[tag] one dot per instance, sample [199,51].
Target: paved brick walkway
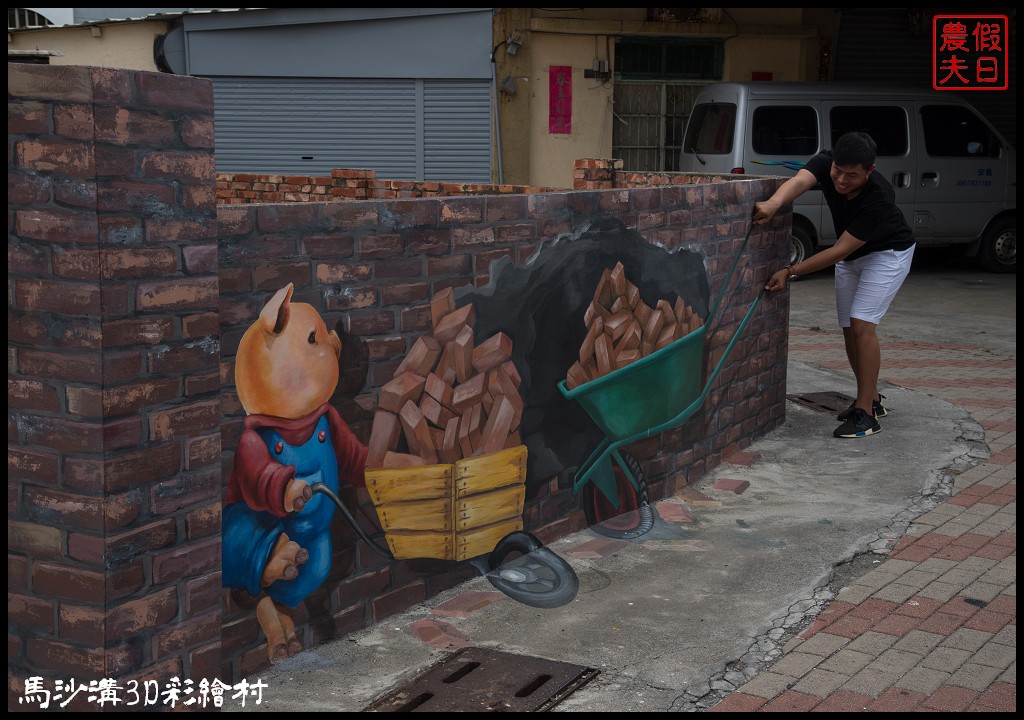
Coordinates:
[934,626]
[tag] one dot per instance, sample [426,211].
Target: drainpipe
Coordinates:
[497,117]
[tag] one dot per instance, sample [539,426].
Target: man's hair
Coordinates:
[855,148]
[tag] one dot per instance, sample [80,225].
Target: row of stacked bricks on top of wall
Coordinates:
[346,184]
[622,328]
[363,184]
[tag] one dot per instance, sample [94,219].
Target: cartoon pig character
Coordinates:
[277,542]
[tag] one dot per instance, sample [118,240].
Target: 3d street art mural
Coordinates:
[486,402]
[240,430]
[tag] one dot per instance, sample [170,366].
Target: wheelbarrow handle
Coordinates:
[713,312]
[695,405]
[731,345]
[324,490]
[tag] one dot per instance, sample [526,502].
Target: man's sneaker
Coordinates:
[876,406]
[858,424]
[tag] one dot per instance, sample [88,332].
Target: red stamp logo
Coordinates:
[970,52]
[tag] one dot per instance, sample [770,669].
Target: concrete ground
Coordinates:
[805,573]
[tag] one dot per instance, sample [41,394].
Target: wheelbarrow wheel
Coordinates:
[633,516]
[536,576]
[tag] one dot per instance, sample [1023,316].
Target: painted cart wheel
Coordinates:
[633,516]
[536,577]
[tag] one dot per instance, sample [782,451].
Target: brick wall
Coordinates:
[113,387]
[371,267]
[130,283]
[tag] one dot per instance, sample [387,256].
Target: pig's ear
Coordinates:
[274,315]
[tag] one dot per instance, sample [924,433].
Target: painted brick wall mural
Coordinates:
[479,346]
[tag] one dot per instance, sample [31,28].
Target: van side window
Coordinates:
[711,129]
[886,124]
[954,131]
[785,130]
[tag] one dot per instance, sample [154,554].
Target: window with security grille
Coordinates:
[656,83]
[25,18]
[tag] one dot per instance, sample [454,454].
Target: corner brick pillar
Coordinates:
[114,472]
[594,174]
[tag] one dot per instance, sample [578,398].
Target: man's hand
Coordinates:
[777,281]
[789,191]
[764,211]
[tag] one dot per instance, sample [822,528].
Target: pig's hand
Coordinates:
[296,495]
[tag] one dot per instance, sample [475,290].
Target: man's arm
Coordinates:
[828,257]
[789,191]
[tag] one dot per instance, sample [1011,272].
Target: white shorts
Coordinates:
[865,287]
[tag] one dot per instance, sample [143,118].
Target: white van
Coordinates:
[954,175]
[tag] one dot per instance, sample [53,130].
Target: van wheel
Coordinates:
[998,251]
[801,246]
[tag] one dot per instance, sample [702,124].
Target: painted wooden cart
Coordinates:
[470,510]
[450,511]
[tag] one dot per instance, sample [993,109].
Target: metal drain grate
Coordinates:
[481,680]
[829,402]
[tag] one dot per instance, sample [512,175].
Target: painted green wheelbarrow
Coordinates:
[649,396]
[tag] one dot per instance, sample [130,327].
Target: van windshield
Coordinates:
[711,129]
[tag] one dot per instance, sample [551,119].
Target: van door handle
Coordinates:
[901,179]
[929,178]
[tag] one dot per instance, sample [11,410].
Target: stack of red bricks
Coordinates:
[594,174]
[599,174]
[450,398]
[250,188]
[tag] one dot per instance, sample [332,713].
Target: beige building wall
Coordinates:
[781,57]
[552,155]
[126,45]
[785,42]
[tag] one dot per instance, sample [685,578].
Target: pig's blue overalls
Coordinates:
[249,535]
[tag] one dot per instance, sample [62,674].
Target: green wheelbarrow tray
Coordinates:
[656,393]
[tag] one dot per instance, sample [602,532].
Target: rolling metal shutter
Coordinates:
[457,131]
[402,129]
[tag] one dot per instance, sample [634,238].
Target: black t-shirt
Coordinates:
[872,216]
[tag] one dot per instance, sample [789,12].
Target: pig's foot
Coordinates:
[270,621]
[284,561]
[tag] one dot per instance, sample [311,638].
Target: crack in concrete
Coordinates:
[767,648]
